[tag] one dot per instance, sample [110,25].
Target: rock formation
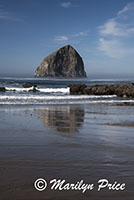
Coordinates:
[121,90]
[28,85]
[65,62]
[2,89]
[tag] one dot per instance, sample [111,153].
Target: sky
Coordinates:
[102,31]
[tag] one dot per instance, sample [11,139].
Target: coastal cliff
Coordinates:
[65,62]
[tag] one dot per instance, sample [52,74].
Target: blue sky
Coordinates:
[102,31]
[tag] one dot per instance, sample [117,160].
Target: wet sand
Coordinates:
[66,142]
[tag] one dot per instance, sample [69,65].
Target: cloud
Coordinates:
[111,48]
[116,33]
[111,27]
[71,38]
[4,15]
[114,28]
[127,8]
[66,4]
[82,33]
[61,38]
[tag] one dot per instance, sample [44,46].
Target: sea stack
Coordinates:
[65,62]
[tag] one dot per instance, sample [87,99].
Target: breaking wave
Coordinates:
[53,92]
[32,97]
[67,102]
[44,90]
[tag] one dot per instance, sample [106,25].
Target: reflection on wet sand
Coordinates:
[62,118]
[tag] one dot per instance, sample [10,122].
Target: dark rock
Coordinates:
[35,90]
[98,90]
[2,89]
[77,88]
[28,85]
[121,90]
[65,62]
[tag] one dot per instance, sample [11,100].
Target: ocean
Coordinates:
[54,91]
[50,134]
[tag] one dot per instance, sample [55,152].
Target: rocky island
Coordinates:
[65,62]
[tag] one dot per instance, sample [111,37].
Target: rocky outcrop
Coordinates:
[28,85]
[77,88]
[65,62]
[121,90]
[2,89]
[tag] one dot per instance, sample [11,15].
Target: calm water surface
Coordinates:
[71,142]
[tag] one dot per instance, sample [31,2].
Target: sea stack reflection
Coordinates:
[62,118]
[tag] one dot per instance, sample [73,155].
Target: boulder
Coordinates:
[28,85]
[2,89]
[65,62]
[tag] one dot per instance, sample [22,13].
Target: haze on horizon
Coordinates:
[101,31]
